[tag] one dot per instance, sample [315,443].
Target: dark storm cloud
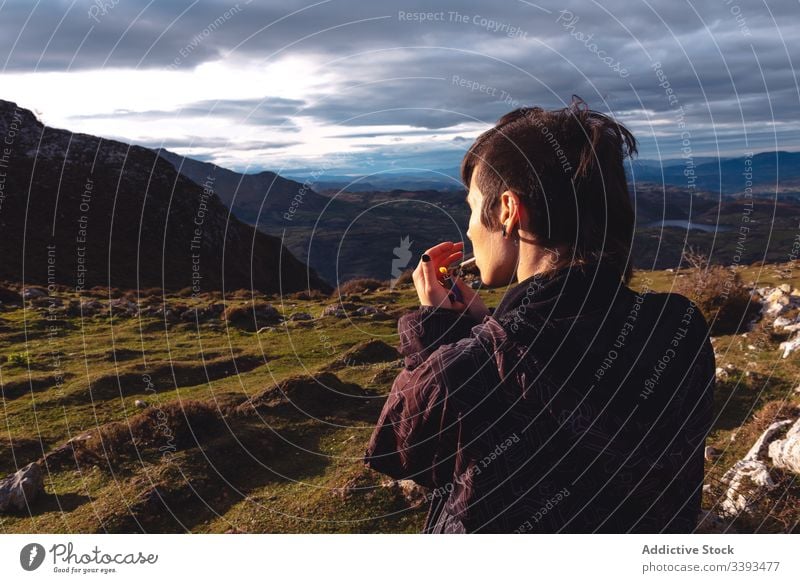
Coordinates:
[271,111]
[726,61]
[201,142]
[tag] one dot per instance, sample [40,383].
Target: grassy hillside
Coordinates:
[219,448]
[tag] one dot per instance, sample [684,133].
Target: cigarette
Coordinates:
[467,262]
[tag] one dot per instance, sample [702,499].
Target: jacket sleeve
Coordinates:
[429,327]
[416,434]
[417,431]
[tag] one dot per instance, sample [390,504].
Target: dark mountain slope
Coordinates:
[79,210]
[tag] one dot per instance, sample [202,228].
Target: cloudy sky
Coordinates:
[297,85]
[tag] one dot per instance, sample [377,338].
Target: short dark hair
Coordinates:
[566,165]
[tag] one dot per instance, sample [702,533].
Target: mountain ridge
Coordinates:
[84,211]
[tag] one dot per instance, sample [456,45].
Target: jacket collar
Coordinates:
[570,291]
[544,307]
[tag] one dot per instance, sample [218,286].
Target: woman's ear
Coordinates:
[509,210]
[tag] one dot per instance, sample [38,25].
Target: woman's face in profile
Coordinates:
[495,257]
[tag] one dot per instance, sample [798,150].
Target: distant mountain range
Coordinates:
[762,172]
[768,171]
[341,234]
[82,211]
[358,231]
[443,180]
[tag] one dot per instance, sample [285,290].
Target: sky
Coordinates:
[358,87]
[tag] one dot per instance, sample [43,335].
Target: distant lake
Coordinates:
[683,224]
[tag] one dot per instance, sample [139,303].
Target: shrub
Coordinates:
[360,285]
[719,292]
[313,294]
[151,292]
[20,359]
[406,277]
[251,317]
[242,294]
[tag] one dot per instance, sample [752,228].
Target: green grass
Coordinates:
[285,475]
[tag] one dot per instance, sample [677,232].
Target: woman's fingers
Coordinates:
[439,255]
[427,277]
[455,256]
[439,252]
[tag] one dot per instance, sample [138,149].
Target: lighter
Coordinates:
[447,282]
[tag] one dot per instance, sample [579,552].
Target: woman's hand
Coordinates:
[473,304]
[430,290]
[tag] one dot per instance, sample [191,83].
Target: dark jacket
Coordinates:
[577,406]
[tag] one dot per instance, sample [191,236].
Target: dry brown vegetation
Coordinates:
[720,292]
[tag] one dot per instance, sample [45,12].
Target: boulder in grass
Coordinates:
[20,489]
[414,494]
[334,310]
[301,316]
[339,310]
[30,293]
[123,307]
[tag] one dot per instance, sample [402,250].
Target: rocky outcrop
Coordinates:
[785,453]
[782,304]
[749,478]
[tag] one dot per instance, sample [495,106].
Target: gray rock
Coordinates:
[785,453]
[749,478]
[90,307]
[301,316]
[30,293]
[790,345]
[412,492]
[334,310]
[19,490]
[123,307]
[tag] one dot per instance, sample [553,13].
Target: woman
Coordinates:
[576,405]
